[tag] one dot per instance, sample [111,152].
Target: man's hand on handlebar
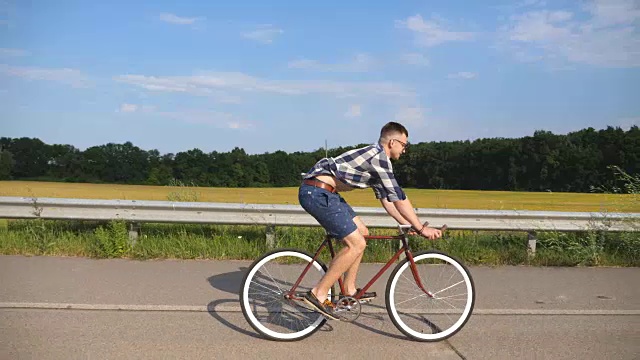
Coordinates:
[427,232]
[430,233]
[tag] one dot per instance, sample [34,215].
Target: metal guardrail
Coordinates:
[292,215]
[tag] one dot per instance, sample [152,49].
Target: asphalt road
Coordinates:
[76,308]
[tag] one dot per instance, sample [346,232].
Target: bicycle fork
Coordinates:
[414,268]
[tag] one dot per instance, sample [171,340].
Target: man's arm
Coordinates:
[389,190]
[393,212]
[406,211]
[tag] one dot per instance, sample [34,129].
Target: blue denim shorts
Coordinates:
[329,209]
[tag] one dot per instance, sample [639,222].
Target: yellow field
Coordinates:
[444,199]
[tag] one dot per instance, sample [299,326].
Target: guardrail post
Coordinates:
[271,236]
[134,232]
[531,247]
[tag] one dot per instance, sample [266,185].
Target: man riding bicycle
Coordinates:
[369,166]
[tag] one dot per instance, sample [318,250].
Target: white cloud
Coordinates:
[431,32]
[178,20]
[232,84]
[613,12]
[518,6]
[210,118]
[540,26]
[359,63]
[130,108]
[604,34]
[412,116]
[239,125]
[466,75]
[200,85]
[415,59]
[354,111]
[263,34]
[526,3]
[6,52]
[198,117]
[66,76]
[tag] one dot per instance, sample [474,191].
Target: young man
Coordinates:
[369,166]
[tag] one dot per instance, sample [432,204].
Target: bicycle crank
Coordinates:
[347,309]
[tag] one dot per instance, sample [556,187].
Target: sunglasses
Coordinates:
[404,145]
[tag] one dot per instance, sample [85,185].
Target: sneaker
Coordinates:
[325,308]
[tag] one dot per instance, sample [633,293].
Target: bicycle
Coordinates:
[273,305]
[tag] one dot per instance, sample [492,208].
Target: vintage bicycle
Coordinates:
[429,296]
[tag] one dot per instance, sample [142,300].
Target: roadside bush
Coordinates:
[112,240]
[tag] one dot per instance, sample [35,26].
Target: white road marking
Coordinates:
[236,308]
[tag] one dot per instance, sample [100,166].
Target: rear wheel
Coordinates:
[262,295]
[436,317]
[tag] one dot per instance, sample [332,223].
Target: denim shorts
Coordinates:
[329,209]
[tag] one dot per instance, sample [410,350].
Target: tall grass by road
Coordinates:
[186,241]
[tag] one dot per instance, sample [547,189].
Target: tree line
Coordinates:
[574,162]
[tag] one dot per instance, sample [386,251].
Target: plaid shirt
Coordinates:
[365,167]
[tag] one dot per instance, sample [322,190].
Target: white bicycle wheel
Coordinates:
[436,317]
[262,295]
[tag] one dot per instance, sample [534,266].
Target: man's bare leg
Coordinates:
[353,250]
[350,276]
[352,272]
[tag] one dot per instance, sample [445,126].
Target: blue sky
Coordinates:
[286,75]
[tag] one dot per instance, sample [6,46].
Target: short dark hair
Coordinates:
[393,127]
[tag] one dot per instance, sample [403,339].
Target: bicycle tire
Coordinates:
[315,320]
[402,273]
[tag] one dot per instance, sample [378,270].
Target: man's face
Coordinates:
[398,145]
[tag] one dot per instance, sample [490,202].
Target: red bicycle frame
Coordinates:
[328,243]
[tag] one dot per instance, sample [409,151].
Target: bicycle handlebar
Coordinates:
[406,228]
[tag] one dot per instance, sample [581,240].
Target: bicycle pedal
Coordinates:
[364,301]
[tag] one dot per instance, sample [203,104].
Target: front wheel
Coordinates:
[263,301]
[440,313]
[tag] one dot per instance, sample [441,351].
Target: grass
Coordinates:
[196,241]
[421,198]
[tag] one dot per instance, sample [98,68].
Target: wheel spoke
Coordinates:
[265,287]
[415,297]
[451,297]
[271,277]
[449,287]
